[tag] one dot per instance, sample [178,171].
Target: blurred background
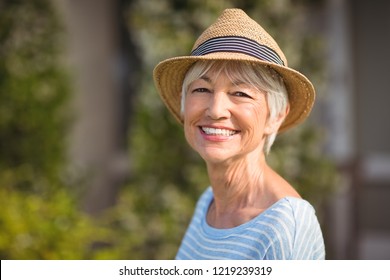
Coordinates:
[92,166]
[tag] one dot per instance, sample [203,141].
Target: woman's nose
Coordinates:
[218,107]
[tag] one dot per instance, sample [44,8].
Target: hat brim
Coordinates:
[169,75]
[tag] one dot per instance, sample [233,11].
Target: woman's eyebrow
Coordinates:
[235,82]
[238,82]
[205,78]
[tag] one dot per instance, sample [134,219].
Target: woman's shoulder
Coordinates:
[300,204]
[308,240]
[295,202]
[291,211]
[294,227]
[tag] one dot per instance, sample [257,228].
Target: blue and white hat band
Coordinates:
[240,45]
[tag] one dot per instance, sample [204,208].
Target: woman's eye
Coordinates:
[200,90]
[241,94]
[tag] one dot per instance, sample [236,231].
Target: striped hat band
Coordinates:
[238,45]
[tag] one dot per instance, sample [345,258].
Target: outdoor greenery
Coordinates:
[34,89]
[33,92]
[41,217]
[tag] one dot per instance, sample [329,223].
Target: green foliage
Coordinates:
[146,224]
[50,226]
[38,218]
[42,227]
[33,91]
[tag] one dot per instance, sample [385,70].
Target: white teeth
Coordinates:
[218,131]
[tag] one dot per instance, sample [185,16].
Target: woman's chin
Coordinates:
[215,156]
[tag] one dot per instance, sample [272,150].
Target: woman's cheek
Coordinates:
[252,121]
[190,127]
[254,115]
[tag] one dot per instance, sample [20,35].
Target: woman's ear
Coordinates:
[273,125]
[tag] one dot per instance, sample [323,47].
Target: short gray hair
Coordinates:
[261,77]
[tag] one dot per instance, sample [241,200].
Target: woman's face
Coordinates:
[223,119]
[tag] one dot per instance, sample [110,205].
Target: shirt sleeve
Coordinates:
[308,242]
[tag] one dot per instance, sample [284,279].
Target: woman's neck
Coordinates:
[242,190]
[238,183]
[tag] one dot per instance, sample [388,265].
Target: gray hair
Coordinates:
[263,78]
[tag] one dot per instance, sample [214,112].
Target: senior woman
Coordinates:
[233,95]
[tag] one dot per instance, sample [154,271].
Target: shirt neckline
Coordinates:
[226,232]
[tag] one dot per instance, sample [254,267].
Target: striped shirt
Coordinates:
[289,229]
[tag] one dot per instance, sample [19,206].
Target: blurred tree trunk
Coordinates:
[105,65]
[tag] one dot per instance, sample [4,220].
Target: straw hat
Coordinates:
[235,36]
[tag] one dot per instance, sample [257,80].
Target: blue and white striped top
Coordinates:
[289,229]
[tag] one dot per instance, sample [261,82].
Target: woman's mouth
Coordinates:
[218,131]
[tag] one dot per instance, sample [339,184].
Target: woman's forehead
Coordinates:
[212,77]
[236,75]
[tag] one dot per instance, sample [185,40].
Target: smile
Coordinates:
[218,131]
